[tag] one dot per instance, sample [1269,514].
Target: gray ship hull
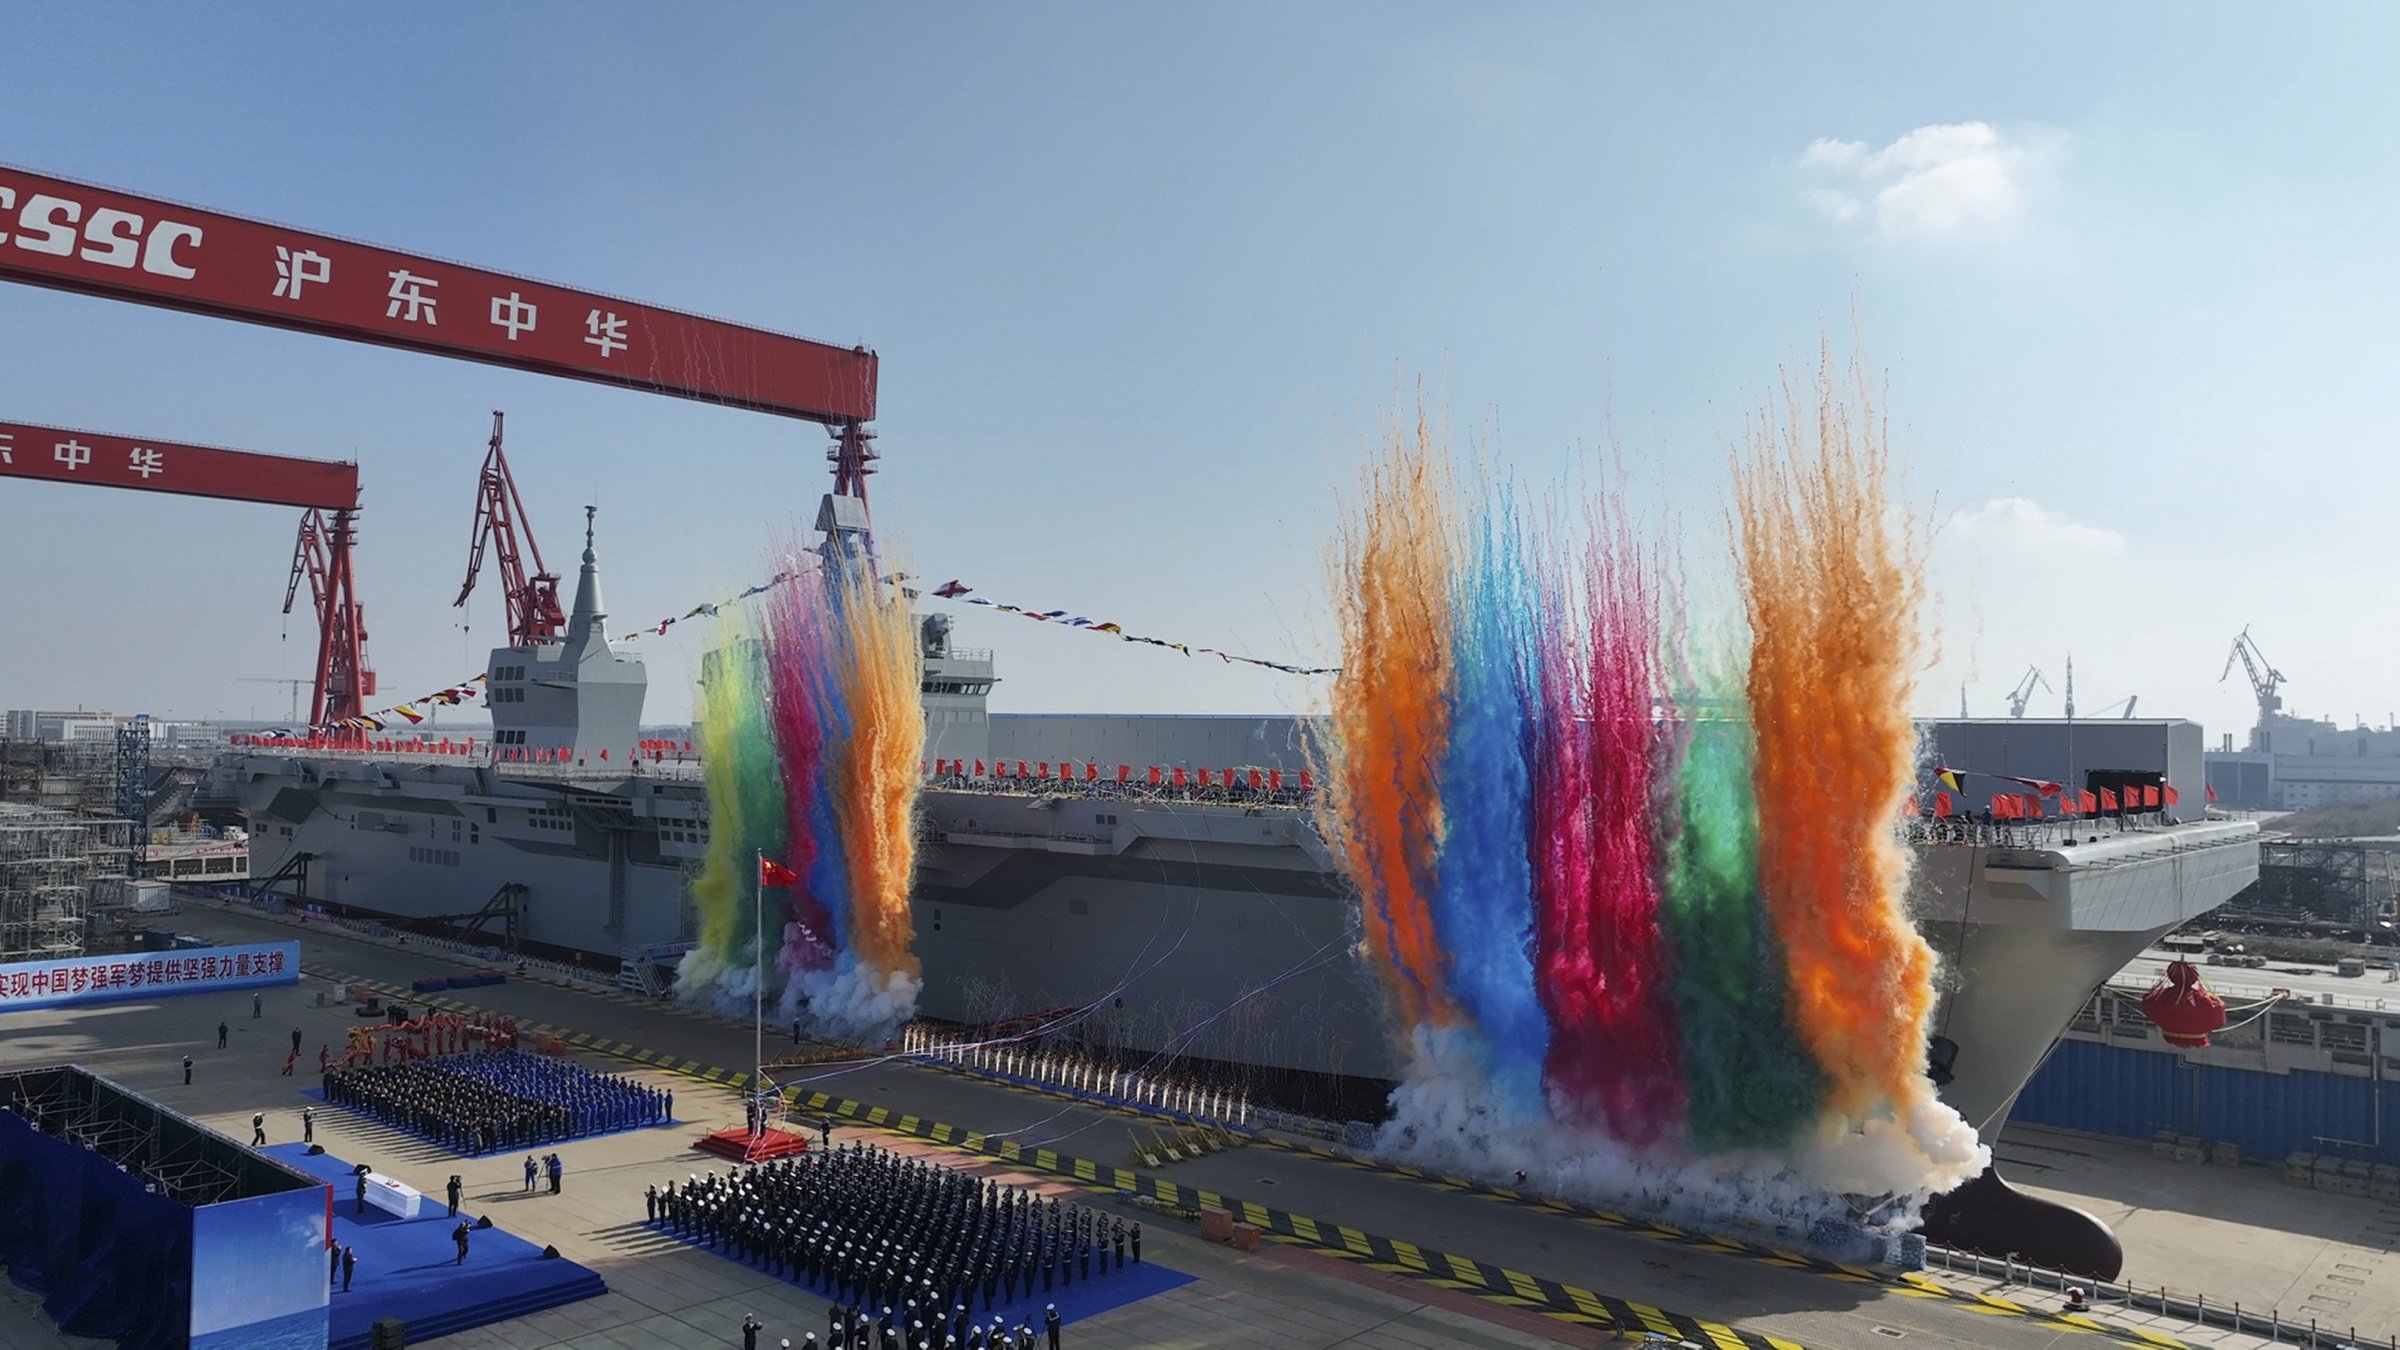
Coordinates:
[1218,930]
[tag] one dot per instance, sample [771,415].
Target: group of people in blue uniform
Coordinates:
[912,1256]
[485,1103]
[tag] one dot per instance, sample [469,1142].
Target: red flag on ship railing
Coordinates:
[2150,796]
[2091,804]
[1155,775]
[1275,780]
[2108,800]
[2172,795]
[2212,791]
[1941,804]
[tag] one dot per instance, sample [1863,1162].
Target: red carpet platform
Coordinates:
[742,1146]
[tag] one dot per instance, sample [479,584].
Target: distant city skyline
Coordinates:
[1145,285]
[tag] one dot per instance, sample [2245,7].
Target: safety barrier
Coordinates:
[2133,1297]
[1084,1077]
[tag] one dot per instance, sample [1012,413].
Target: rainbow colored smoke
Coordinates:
[811,735]
[1658,908]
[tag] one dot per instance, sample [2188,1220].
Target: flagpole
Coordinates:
[758,991]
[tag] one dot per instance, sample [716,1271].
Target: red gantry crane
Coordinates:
[80,237]
[533,612]
[327,490]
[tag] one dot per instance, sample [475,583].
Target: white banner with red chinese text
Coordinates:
[99,979]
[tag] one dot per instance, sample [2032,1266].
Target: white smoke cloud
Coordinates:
[851,1002]
[846,1003]
[1447,1118]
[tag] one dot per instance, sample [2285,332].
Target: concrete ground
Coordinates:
[2237,1234]
[663,1293]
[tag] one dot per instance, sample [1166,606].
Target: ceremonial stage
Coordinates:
[743,1146]
[407,1268]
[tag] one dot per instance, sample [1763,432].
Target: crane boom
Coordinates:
[2265,682]
[532,598]
[321,555]
[2023,693]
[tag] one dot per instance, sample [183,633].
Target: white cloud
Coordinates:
[2023,527]
[1937,182]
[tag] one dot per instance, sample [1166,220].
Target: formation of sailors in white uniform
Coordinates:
[912,1256]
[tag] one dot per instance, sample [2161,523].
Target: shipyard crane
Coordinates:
[294,685]
[327,490]
[321,554]
[532,597]
[2265,681]
[2023,693]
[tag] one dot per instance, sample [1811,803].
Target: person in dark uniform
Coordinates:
[459,1236]
[349,1266]
[295,1041]
[1137,1243]
[558,1173]
[187,1070]
[825,1132]
[532,1170]
[1050,1323]
[256,1011]
[333,1262]
[452,1191]
[222,1030]
[750,1329]
[308,1124]
[258,1129]
[650,1198]
[362,1192]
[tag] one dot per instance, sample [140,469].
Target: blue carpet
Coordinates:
[1084,1298]
[317,1094]
[407,1267]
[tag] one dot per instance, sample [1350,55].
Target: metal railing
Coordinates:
[2192,1308]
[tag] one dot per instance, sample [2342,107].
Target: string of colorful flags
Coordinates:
[413,712]
[409,714]
[959,591]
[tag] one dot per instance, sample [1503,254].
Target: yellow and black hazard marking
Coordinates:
[1548,1297]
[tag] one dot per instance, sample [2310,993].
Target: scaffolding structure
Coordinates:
[52,866]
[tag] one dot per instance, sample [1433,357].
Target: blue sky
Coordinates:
[1145,282]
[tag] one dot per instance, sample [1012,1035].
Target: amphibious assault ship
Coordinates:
[1166,871]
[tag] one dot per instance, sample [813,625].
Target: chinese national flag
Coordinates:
[2033,805]
[773,873]
[1941,803]
[2003,806]
[2108,799]
[2091,804]
[2172,796]
[2212,791]
[2150,795]
[2066,804]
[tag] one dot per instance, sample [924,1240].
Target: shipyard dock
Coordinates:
[1467,1266]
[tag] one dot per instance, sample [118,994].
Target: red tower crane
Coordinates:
[322,555]
[533,612]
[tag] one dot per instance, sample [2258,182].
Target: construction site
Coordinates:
[59,872]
